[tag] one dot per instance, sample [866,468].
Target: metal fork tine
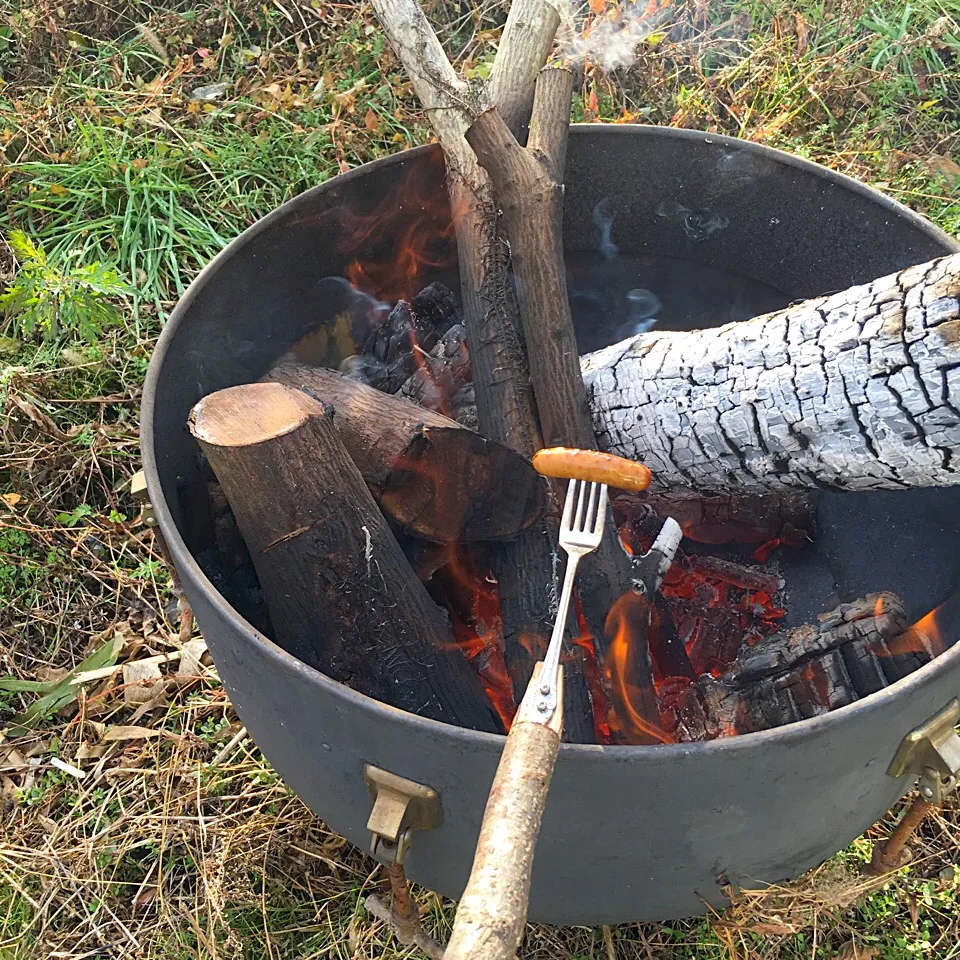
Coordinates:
[568,506]
[600,515]
[578,525]
[591,521]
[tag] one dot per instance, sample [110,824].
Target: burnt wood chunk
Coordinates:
[851,652]
[394,349]
[432,476]
[441,374]
[341,594]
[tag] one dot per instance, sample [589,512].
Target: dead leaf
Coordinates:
[914,908]
[191,658]
[87,751]
[129,733]
[371,121]
[11,499]
[12,760]
[850,951]
[140,679]
[597,6]
[944,165]
[772,929]
[145,896]
[803,34]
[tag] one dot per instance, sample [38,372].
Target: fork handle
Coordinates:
[493,908]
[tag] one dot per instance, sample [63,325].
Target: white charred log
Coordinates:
[859,390]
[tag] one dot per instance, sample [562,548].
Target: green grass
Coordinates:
[109,158]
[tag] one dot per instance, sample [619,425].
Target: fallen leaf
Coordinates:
[592,103]
[772,929]
[947,166]
[850,951]
[210,92]
[11,499]
[597,6]
[914,908]
[129,733]
[140,680]
[802,33]
[371,121]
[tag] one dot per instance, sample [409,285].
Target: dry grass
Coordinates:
[172,845]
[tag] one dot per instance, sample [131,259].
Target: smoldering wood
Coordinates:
[341,595]
[856,391]
[432,476]
[735,574]
[528,185]
[394,350]
[812,669]
[505,407]
[441,374]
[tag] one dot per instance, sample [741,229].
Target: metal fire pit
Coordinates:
[630,833]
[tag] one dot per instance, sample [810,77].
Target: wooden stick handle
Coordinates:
[493,908]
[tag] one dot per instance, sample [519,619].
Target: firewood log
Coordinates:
[505,407]
[432,476]
[341,594]
[528,183]
[856,391]
[848,654]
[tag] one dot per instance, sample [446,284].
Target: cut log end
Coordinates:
[250,414]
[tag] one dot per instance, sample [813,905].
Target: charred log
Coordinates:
[341,595]
[429,474]
[856,391]
[813,669]
[441,374]
[395,349]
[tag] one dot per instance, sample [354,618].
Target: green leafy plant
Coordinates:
[59,692]
[54,297]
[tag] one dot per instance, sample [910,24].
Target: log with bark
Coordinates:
[341,594]
[432,476]
[505,408]
[856,391]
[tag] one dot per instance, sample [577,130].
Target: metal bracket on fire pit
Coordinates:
[932,753]
[139,492]
[400,806]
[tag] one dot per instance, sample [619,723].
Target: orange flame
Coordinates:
[394,249]
[925,636]
[625,627]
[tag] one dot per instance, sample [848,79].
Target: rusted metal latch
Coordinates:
[932,753]
[400,807]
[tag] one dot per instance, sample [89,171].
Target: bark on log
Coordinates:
[429,474]
[505,408]
[531,198]
[340,592]
[848,654]
[856,391]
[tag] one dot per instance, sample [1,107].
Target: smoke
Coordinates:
[610,38]
[603,218]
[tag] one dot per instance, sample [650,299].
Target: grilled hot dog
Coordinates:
[570,463]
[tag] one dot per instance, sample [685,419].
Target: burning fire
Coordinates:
[408,237]
[626,627]
[924,636]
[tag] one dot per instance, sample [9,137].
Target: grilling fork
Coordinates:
[499,883]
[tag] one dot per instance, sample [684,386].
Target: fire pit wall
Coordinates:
[630,833]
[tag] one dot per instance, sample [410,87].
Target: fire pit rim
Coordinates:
[189,569]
